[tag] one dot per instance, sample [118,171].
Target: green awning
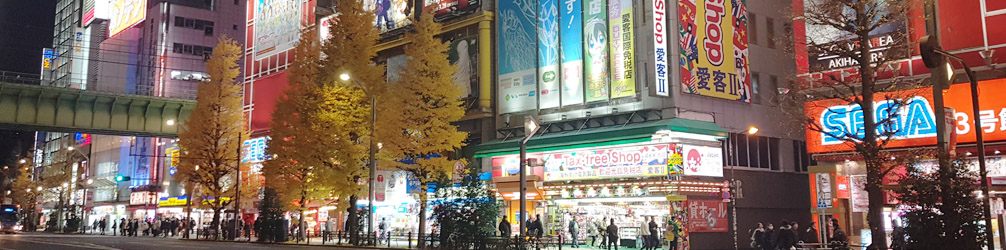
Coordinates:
[613,135]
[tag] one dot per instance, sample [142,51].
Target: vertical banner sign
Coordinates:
[595,36]
[623,81]
[860,199]
[548,54]
[570,20]
[661,85]
[516,85]
[823,190]
[463,54]
[714,48]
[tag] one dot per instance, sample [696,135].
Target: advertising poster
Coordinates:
[714,49]
[915,124]
[389,14]
[823,181]
[395,64]
[463,53]
[702,161]
[571,33]
[623,81]
[860,199]
[126,13]
[706,216]
[516,34]
[548,54]
[444,7]
[631,161]
[325,23]
[277,26]
[595,47]
[48,58]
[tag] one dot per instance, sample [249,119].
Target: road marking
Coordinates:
[82,245]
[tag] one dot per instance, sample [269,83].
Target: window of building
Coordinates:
[773,85]
[235,27]
[190,23]
[187,49]
[756,87]
[179,21]
[177,48]
[752,28]
[208,31]
[801,158]
[199,24]
[236,2]
[752,151]
[770,27]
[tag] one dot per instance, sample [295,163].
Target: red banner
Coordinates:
[707,216]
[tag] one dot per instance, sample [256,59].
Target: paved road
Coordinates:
[103,242]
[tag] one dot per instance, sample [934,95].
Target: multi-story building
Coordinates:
[616,106]
[146,47]
[837,186]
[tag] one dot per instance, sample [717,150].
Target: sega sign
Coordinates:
[912,122]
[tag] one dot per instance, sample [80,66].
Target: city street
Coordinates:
[106,242]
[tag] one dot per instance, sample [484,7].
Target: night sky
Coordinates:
[25,28]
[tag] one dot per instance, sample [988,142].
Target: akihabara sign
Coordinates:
[629,161]
[913,120]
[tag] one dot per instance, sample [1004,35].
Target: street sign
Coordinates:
[531,127]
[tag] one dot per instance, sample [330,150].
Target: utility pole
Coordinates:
[938,68]
[237,189]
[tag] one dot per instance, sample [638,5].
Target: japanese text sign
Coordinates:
[707,216]
[714,49]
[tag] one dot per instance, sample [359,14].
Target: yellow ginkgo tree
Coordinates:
[420,137]
[211,138]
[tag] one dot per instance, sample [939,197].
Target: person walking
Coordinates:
[839,239]
[672,233]
[796,234]
[644,234]
[612,231]
[122,226]
[768,239]
[101,226]
[810,235]
[756,236]
[504,227]
[654,234]
[602,232]
[115,225]
[574,232]
[156,229]
[784,236]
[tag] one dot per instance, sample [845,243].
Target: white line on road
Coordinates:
[83,245]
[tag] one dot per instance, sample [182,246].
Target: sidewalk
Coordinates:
[317,241]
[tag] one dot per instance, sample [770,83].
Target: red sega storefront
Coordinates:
[837,181]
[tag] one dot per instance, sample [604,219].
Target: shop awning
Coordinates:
[614,135]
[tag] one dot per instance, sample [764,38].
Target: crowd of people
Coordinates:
[603,233]
[149,227]
[788,235]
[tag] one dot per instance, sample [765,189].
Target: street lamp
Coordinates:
[170,122]
[373,160]
[931,50]
[733,183]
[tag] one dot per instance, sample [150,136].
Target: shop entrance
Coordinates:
[594,215]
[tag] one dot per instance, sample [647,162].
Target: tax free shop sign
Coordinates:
[913,122]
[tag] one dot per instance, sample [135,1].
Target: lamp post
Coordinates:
[929,45]
[733,182]
[531,127]
[373,160]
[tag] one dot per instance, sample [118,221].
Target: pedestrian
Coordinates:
[898,237]
[134,228]
[574,231]
[115,225]
[538,229]
[175,226]
[756,236]
[672,232]
[784,236]
[838,239]
[602,232]
[122,226]
[810,235]
[504,227]
[529,227]
[101,226]
[654,232]
[592,232]
[94,226]
[644,234]
[768,239]
[796,234]
[612,231]
[156,229]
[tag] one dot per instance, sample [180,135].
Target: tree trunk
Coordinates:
[300,225]
[869,148]
[216,218]
[422,217]
[351,220]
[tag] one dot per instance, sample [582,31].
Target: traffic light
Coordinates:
[121,178]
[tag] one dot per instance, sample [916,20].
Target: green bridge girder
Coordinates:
[52,109]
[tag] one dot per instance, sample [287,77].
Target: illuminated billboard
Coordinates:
[389,14]
[48,58]
[277,26]
[714,49]
[444,7]
[125,14]
[516,51]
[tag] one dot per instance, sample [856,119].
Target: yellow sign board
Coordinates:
[126,13]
